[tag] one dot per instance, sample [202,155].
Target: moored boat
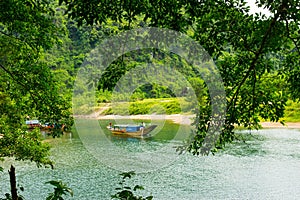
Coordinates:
[131,130]
[33,123]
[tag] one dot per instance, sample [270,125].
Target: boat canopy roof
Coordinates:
[126,125]
[128,128]
[34,121]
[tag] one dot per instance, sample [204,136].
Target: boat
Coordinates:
[131,130]
[52,126]
[31,124]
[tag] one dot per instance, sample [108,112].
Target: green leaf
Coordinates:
[138,187]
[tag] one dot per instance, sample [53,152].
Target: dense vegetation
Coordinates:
[43,44]
[256,55]
[150,106]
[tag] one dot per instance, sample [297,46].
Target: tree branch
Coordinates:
[12,76]
[289,36]
[19,39]
[19,82]
[254,61]
[13,183]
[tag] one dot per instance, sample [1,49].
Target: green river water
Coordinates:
[267,166]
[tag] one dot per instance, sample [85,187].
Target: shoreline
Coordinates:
[176,118]
[183,119]
[290,125]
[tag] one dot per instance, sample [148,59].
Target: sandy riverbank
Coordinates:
[176,118]
[294,125]
[185,119]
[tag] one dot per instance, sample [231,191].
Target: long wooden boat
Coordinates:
[131,130]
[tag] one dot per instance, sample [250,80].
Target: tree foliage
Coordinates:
[257,55]
[41,50]
[28,87]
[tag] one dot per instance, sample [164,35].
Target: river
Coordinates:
[266,166]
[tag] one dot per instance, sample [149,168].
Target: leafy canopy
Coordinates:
[258,56]
[27,85]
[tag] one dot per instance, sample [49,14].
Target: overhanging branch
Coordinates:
[254,61]
[19,82]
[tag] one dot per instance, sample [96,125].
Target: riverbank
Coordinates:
[176,118]
[184,119]
[293,125]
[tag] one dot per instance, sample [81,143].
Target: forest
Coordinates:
[45,43]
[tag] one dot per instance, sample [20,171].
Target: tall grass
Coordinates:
[292,112]
[151,106]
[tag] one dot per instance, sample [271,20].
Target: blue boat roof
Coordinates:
[126,125]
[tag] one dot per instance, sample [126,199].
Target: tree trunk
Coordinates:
[13,183]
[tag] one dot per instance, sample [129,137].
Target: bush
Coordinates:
[150,106]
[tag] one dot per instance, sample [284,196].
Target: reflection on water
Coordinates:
[266,166]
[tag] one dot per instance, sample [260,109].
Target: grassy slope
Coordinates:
[182,106]
[150,106]
[292,112]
